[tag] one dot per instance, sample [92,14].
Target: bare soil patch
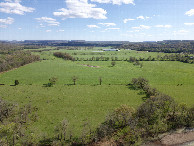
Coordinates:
[90,65]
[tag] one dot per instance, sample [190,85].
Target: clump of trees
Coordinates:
[16,59]
[143,84]
[65,56]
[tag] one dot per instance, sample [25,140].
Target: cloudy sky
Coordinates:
[97,20]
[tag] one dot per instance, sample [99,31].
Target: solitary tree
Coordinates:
[113,63]
[100,80]
[52,81]
[74,78]
[16,82]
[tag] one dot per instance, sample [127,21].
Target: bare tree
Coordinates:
[100,80]
[74,78]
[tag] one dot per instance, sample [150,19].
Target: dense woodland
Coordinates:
[12,56]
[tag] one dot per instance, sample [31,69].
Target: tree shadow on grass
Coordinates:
[145,98]
[131,87]
[68,84]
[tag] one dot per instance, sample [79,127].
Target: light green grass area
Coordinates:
[157,72]
[85,53]
[181,93]
[77,104]
[88,101]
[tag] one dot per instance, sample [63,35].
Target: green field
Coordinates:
[87,100]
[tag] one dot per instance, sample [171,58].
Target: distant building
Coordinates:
[111,50]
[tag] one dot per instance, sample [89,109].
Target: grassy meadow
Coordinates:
[87,101]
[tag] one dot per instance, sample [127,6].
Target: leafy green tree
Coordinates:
[113,63]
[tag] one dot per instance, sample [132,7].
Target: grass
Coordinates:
[88,101]
[157,72]
[77,104]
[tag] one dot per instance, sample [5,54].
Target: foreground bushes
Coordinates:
[14,121]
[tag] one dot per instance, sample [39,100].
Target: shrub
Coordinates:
[139,83]
[113,63]
[154,113]
[16,82]
[128,136]
[119,118]
[52,81]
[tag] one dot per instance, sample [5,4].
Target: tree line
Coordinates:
[65,56]
[171,57]
[166,47]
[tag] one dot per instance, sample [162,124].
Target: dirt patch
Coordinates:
[90,65]
[177,138]
[182,138]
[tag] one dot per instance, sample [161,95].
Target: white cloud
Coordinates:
[49,21]
[41,25]
[112,29]
[80,9]
[3,26]
[5,22]
[60,30]
[183,31]
[141,17]
[107,24]
[115,2]
[142,27]
[9,20]
[126,20]
[180,32]
[19,28]
[14,7]
[93,26]
[190,12]
[48,30]
[163,26]
[189,24]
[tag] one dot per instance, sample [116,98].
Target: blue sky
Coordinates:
[97,20]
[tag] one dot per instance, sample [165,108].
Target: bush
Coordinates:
[16,82]
[119,118]
[52,81]
[128,136]
[139,83]
[113,63]
[154,113]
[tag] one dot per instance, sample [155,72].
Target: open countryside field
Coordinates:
[87,101]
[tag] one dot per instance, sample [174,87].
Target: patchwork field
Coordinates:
[87,101]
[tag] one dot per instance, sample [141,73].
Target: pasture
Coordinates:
[87,101]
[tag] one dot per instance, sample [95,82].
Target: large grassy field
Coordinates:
[87,100]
